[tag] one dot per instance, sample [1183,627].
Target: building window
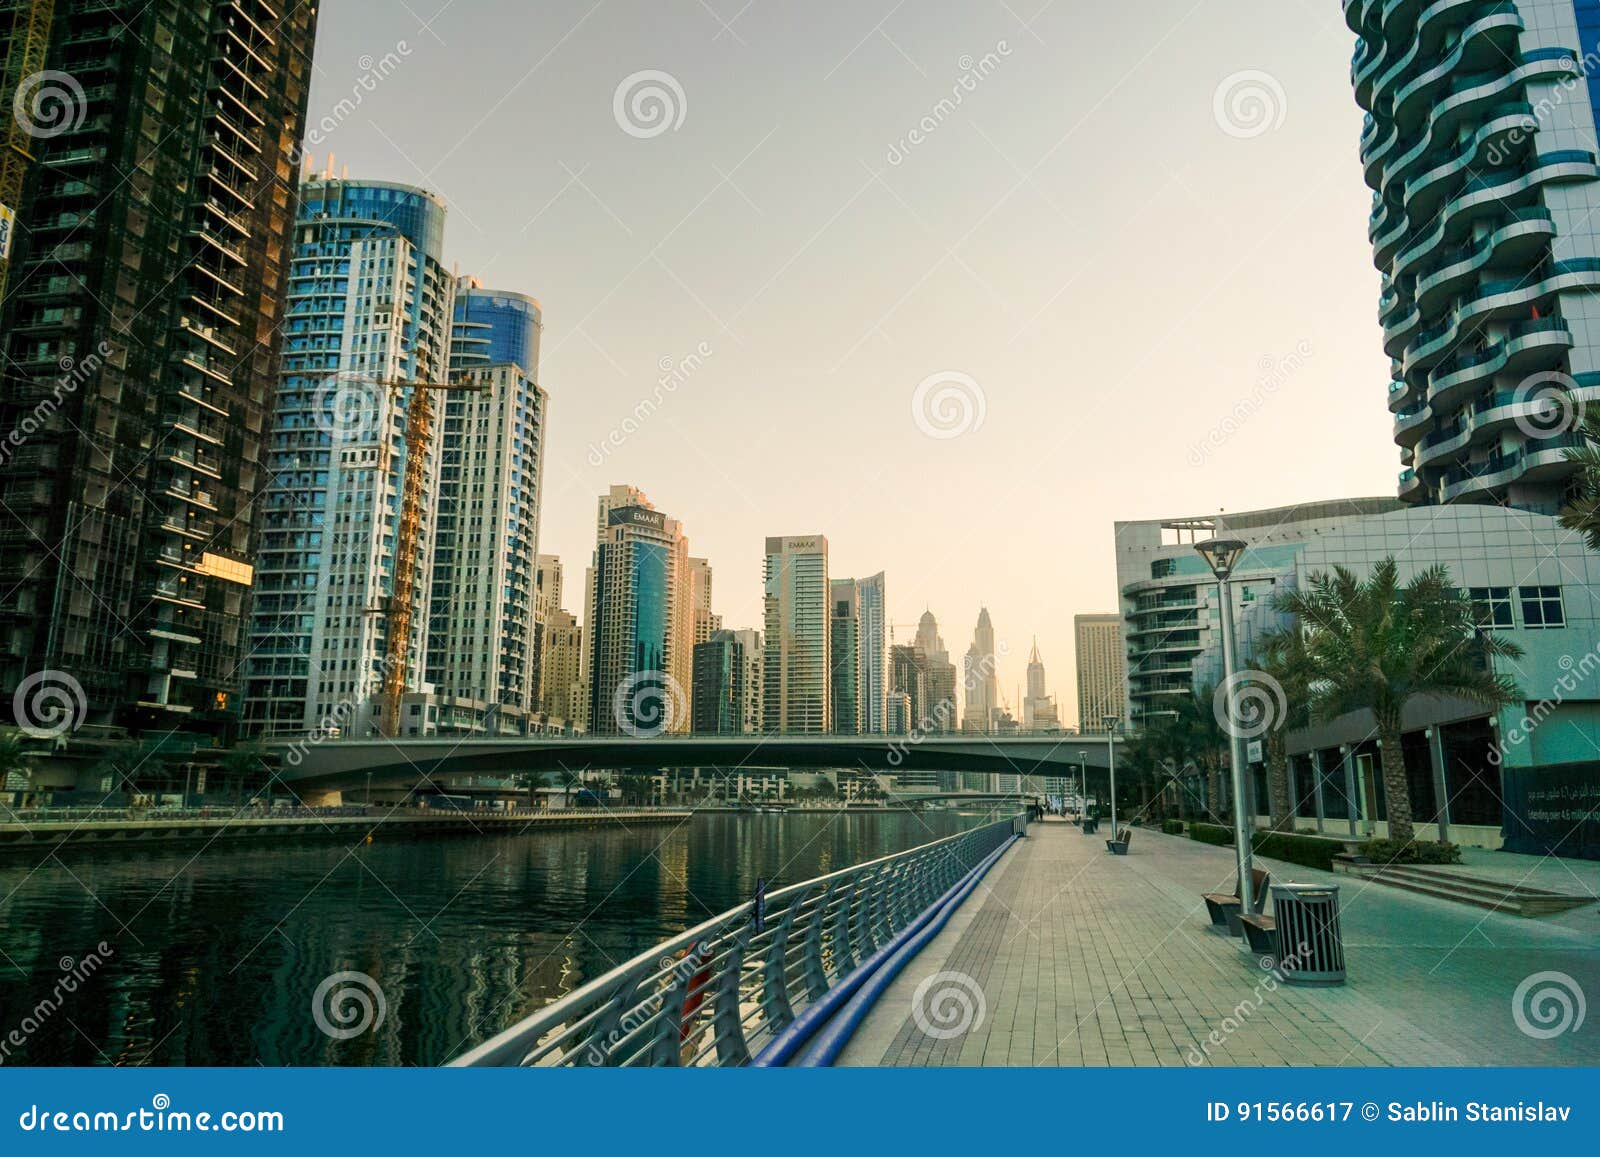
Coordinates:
[1492,605]
[1541,607]
[1162,567]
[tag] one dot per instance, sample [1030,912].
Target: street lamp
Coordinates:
[1222,556]
[1083,781]
[1110,723]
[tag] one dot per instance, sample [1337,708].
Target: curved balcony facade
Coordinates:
[1481,152]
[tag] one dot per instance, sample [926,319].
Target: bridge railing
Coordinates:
[716,994]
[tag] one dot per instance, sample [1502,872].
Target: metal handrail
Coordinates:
[716,994]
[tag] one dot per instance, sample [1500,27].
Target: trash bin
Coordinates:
[1310,947]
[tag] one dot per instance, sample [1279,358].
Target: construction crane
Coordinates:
[30,38]
[396,609]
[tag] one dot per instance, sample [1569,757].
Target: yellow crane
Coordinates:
[396,609]
[30,38]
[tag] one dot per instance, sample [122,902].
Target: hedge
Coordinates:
[1172,827]
[1410,852]
[1308,851]
[1211,834]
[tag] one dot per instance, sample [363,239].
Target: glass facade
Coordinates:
[493,327]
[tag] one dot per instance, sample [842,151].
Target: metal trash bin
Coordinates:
[1310,945]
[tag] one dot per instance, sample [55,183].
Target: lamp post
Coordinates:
[1110,723]
[1083,781]
[1222,556]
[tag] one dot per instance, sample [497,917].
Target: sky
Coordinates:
[956,283]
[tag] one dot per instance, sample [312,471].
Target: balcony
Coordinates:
[1409,425]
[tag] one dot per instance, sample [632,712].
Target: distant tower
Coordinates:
[1038,709]
[941,707]
[979,677]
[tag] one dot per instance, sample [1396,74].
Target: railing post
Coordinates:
[606,1030]
[816,976]
[775,974]
[844,956]
[727,1020]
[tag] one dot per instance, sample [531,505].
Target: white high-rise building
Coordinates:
[797,695]
[874,654]
[483,635]
[370,306]
[1480,147]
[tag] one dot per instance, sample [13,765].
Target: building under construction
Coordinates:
[150,164]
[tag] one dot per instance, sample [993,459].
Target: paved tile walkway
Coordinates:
[1069,956]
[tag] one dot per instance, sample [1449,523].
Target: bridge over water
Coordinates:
[330,765]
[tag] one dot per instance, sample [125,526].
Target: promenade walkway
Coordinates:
[1069,956]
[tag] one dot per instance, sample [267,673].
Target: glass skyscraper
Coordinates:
[639,619]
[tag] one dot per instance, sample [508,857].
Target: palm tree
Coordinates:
[1375,644]
[14,757]
[1189,735]
[1582,512]
[1281,657]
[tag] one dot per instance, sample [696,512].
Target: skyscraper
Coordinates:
[369,310]
[1038,709]
[1484,177]
[705,621]
[979,672]
[139,333]
[483,638]
[797,695]
[844,656]
[563,694]
[1100,664]
[874,650]
[908,688]
[941,710]
[639,645]
[727,684]
[547,583]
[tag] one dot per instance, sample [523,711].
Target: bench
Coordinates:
[1089,825]
[1224,908]
[1119,846]
[1262,934]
